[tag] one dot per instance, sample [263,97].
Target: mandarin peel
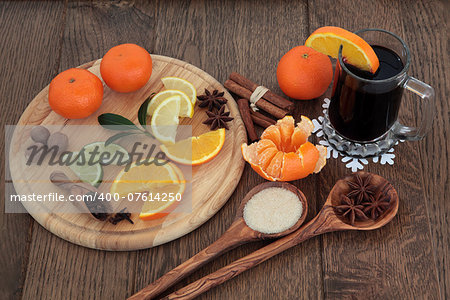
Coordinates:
[283,153]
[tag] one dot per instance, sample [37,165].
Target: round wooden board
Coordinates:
[212,183]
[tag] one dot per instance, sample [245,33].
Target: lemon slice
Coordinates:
[164,184]
[197,149]
[180,84]
[165,119]
[186,109]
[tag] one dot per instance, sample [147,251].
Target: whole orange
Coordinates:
[304,73]
[126,68]
[75,93]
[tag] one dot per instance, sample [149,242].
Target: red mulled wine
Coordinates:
[363,111]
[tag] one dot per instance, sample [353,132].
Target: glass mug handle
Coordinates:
[426,93]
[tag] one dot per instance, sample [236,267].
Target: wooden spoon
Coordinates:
[327,220]
[238,233]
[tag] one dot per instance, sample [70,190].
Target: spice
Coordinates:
[273,210]
[58,140]
[376,206]
[214,100]
[39,134]
[361,188]
[351,210]
[101,210]
[244,108]
[218,119]
[261,120]
[363,202]
[261,104]
[269,96]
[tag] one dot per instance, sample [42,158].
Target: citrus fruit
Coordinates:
[303,73]
[197,149]
[75,93]
[283,153]
[180,84]
[356,51]
[126,68]
[116,153]
[90,173]
[161,183]
[186,109]
[165,119]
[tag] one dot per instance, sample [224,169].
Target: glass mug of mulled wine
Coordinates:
[361,120]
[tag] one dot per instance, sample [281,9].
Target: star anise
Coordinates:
[350,210]
[212,100]
[361,188]
[376,206]
[218,119]
[122,215]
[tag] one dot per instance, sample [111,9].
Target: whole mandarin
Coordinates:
[75,93]
[126,68]
[304,73]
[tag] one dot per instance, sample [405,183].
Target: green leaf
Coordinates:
[116,122]
[117,136]
[142,113]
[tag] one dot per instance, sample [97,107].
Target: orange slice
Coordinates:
[197,149]
[163,186]
[356,51]
[284,153]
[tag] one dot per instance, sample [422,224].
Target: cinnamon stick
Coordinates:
[262,104]
[261,122]
[269,96]
[264,117]
[244,108]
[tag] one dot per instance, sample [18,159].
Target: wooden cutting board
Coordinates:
[212,183]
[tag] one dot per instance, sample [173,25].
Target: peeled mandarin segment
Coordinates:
[263,145]
[275,166]
[249,153]
[357,52]
[266,156]
[300,164]
[301,132]
[306,125]
[286,126]
[309,155]
[293,168]
[272,133]
[322,161]
[298,138]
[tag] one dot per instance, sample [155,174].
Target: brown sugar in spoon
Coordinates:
[327,220]
[238,234]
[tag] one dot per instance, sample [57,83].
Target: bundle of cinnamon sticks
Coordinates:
[272,104]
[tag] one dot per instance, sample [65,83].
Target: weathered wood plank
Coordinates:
[29,42]
[247,37]
[61,270]
[397,260]
[427,34]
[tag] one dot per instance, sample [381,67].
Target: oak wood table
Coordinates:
[407,259]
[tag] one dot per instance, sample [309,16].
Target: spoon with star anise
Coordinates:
[337,214]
